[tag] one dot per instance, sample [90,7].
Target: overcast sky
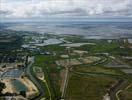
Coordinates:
[65,8]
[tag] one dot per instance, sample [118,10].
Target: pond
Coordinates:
[19,86]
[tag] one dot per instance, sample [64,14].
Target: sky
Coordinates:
[30,9]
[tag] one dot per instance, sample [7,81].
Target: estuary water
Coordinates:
[101,30]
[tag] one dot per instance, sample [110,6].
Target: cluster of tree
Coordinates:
[2,86]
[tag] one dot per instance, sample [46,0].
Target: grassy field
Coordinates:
[42,59]
[101,47]
[51,72]
[80,87]
[97,69]
[75,39]
[84,87]
[54,48]
[130,88]
[126,94]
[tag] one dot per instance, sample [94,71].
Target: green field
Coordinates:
[54,48]
[97,69]
[51,72]
[125,95]
[103,47]
[75,39]
[81,87]
[130,88]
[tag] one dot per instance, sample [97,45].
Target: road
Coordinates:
[33,79]
[65,83]
[112,91]
[48,88]
[64,88]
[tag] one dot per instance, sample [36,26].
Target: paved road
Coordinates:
[117,88]
[41,90]
[65,84]
[64,88]
[112,91]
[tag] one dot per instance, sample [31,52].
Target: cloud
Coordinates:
[4,12]
[62,8]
